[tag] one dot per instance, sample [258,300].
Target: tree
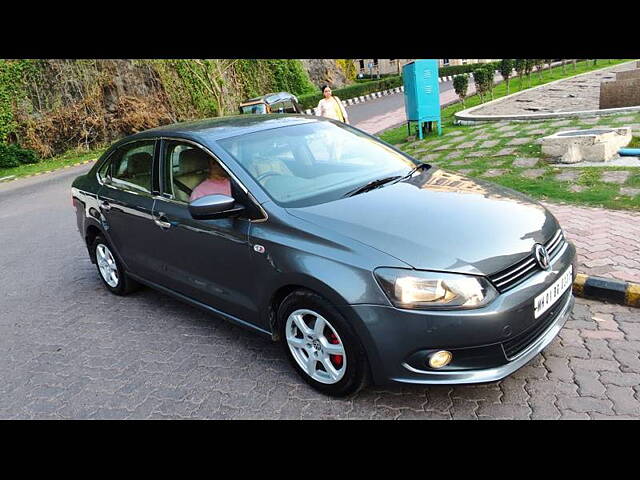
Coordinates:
[209,74]
[519,65]
[574,64]
[564,66]
[461,85]
[506,69]
[549,61]
[595,62]
[488,79]
[539,63]
[479,75]
[528,68]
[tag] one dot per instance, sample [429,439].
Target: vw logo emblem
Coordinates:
[542,256]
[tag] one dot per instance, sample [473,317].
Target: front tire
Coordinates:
[321,345]
[110,270]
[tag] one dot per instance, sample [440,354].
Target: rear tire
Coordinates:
[110,269]
[316,338]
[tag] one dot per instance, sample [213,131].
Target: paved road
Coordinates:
[376,115]
[69,349]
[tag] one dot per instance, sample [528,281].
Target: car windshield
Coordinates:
[312,163]
[255,108]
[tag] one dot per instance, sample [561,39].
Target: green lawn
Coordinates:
[54,163]
[399,135]
[483,151]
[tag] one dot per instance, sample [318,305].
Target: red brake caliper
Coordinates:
[335,359]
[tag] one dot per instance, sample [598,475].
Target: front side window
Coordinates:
[312,163]
[191,173]
[131,166]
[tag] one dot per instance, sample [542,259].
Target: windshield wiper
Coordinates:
[425,166]
[371,185]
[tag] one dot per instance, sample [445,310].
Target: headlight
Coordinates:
[434,290]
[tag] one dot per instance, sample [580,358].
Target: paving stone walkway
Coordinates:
[608,241]
[569,95]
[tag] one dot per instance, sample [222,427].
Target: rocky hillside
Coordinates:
[51,106]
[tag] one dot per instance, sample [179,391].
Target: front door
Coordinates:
[207,260]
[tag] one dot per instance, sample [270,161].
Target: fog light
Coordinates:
[440,359]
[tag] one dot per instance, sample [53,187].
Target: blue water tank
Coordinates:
[422,92]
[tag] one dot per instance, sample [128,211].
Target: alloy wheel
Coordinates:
[107,265]
[316,346]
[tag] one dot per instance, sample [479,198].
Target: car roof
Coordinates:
[223,127]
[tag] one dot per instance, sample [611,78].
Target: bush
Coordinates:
[459,69]
[14,156]
[351,91]
[461,85]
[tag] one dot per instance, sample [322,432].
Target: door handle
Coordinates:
[161,221]
[105,206]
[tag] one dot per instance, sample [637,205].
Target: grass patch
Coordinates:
[469,153]
[54,163]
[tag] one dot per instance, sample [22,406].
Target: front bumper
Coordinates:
[496,373]
[398,341]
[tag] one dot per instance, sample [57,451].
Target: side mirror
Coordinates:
[214,206]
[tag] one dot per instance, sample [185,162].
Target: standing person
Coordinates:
[330,106]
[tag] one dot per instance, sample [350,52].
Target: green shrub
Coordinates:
[14,156]
[459,69]
[352,91]
[461,85]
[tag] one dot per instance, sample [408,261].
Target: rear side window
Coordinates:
[131,166]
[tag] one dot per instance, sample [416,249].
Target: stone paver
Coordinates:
[568,176]
[467,145]
[488,144]
[630,192]
[615,176]
[503,152]
[527,162]
[494,173]
[533,173]
[520,141]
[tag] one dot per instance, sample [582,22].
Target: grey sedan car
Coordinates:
[365,263]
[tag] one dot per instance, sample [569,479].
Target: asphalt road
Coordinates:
[361,112]
[70,349]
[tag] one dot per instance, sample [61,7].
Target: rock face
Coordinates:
[323,71]
[597,145]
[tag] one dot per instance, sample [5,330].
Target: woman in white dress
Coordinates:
[331,106]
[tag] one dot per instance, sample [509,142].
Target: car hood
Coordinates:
[442,221]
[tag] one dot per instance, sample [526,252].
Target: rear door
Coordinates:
[126,203]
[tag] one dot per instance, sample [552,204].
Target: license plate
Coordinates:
[547,298]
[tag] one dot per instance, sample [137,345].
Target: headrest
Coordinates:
[139,163]
[193,160]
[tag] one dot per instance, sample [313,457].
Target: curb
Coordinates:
[13,177]
[607,289]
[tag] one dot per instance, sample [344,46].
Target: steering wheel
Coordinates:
[260,178]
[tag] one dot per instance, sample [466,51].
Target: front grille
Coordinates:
[518,344]
[517,273]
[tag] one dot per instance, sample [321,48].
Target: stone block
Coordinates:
[620,93]
[595,145]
